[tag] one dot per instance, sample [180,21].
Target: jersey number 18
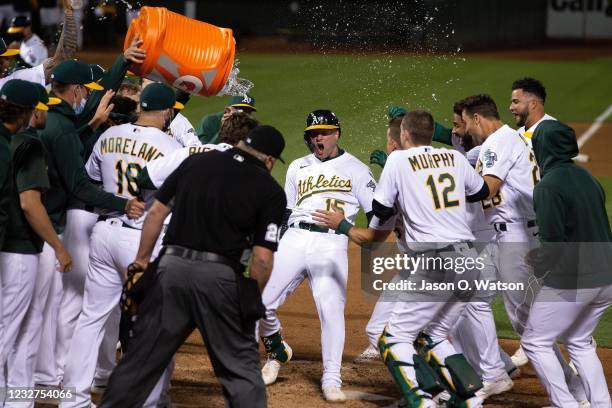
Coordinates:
[126,177]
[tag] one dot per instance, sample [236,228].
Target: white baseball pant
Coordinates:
[322,258]
[571,315]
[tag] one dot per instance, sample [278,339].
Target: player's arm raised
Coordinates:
[67,44]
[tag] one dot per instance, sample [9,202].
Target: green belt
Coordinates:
[313,227]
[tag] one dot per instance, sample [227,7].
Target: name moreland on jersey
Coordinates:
[119,156]
[343,181]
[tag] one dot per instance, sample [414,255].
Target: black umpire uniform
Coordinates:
[223,204]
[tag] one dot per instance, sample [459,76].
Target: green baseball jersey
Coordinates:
[209,127]
[6,181]
[66,169]
[29,173]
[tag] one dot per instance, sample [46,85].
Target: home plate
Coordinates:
[365,396]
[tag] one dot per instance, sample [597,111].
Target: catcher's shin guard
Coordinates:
[460,379]
[427,381]
[276,348]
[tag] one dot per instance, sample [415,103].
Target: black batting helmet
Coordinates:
[320,119]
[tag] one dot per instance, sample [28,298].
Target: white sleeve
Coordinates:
[497,159]
[472,155]
[183,131]
[160,169]
[290,189]
[93,165]
[35,74]
[39,54]
[364,188]
[386,191]
[473,181]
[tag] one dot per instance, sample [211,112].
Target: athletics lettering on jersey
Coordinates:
[431,161]
[130,147]
[322,184]
[343,182]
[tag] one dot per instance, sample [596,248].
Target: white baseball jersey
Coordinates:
[183,132]
[161,168]
[33,51]
[507,155]
[476,218]
[35,74]
[312,184]
[528,134]
[120,154]
[429,186]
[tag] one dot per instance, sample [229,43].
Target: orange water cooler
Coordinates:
[187,54]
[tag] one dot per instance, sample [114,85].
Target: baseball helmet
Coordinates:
[320,119]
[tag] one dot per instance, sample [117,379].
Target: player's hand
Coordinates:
[395,112]
[63,259]
[67,5]
[378,157]
[104,109]
[331,219]
[139,265]
[133,53]
[134,208]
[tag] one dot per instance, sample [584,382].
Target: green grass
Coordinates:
[359,88]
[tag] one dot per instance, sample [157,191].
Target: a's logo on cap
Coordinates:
[317,120]
[144,104]
[246,99]
[248,140]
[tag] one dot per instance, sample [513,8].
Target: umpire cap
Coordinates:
[267,140]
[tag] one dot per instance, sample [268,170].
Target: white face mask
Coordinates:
[78,108]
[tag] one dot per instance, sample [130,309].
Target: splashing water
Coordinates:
[236,86]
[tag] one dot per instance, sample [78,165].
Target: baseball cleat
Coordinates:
[519,358]
[474,402]
[490,388]
[269,372]
[333,394]
[442,398]
[369,354]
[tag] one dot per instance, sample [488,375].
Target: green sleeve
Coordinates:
[144,181]
[72,171]
[208,128]
[31,168]
[5,159]
[442,135]
[88,137]
[112,79]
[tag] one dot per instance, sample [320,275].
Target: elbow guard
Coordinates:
[381,211]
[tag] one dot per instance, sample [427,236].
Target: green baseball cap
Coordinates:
[22,93]
[244,101]
[44,98]
[158,96]
[75,72]
[7,52]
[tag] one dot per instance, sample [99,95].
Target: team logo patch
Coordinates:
[489,158]
[371,185]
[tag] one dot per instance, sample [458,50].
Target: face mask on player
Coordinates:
[78,108]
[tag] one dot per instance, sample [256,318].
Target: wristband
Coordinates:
[344,227]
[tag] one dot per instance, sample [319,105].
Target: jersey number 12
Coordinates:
[126,177]
[448,182]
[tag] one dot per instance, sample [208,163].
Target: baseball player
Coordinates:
[234,129]
[328,176]
[26,218]
[32,50]
[118,156]
[429,187]
[209,126]
[508,165]
[576,291]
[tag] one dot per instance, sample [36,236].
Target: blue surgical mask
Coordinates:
[79,109]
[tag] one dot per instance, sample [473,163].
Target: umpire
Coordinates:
[199,278]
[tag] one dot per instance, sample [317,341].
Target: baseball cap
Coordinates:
[18,24]
[76,72]
[97,71]
[243,101]
[158,96]
[20,92]
[7,52]
[44,100]
[322,119]
[267,140]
